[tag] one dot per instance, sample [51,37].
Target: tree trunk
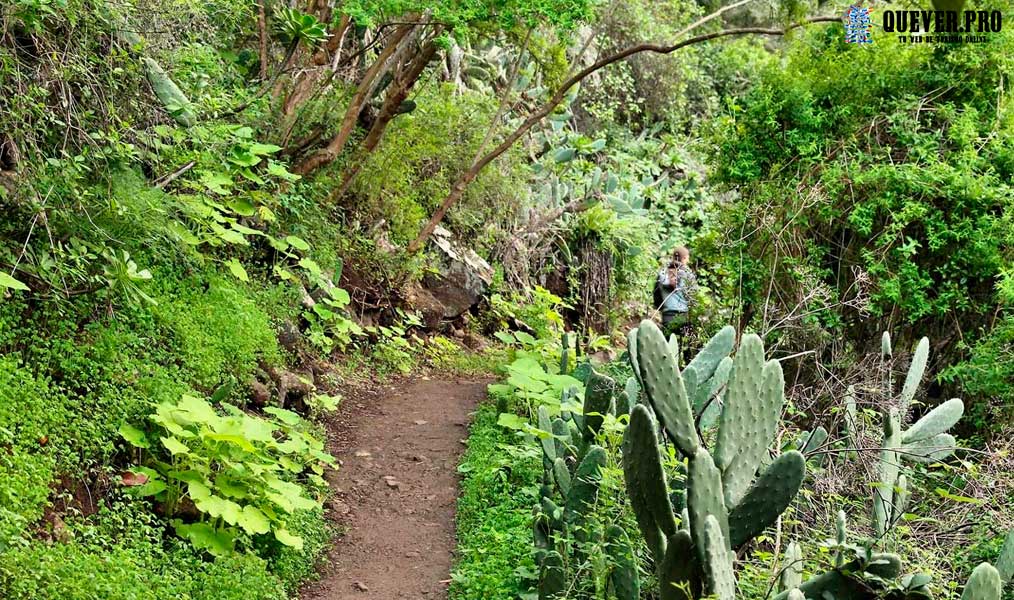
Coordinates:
[363,93]
[403,83]
[262,30]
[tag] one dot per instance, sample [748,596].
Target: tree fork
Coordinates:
[458,190]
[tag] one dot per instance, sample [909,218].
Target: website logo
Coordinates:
[857,25]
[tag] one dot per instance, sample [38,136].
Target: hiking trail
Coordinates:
[395,491]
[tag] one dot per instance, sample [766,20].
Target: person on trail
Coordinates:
[676,285]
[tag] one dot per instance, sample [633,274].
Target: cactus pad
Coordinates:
[935,422]
[769,496]
[792,567]
[598,400]
[171,96]
[678,571]
[631,394]
[756,424]
[548,442]
[552,577]
[740,408]
[984,584]
[915,372]
[718,562]
[930,450]
[642,468]
[584,486]
[704,498]
[1005,563]
[664,386]
[561,474]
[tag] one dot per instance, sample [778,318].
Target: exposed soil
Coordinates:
[396,488]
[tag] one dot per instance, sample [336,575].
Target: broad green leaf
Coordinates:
[311,266]
[243,206]
[135,436]
[243,158]
[237,269]
[297,243]
[277,244]
[262,149]
[284,274]
[504,336]
[198,491]
[283,536]
[197,409]
[511,421]
[217,182]
[232,438]
[277,169]
[174,446]
[219,542]
[6,281]
[285,416]
[253,521]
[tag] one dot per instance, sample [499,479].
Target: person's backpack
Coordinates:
[658,295]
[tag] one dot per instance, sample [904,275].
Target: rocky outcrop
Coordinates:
[462,278]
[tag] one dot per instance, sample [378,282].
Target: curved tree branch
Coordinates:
[458,190]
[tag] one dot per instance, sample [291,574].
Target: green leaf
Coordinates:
[243,158]
[511,421]
[564,155]
[286,416]
[219,542]
[154,487]
[174,446]
[297,243]
[217,182]
[237,269]
[135,436]
[283,536]
[242,206]
[956,498]
[7,281]
[277,244]
[262,149]
[311,266]
[253,521]
[277,169]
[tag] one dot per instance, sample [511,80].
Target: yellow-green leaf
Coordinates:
[237,269]
[9,282]
[289,539]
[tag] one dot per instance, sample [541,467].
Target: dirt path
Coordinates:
[395,491]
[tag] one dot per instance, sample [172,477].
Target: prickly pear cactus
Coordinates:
[1005,564]
[926,440]
[792,567]
[598,401]
[572,466]
[173,99]
[727,504]
[623,574]
[984,584]
[664,386]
